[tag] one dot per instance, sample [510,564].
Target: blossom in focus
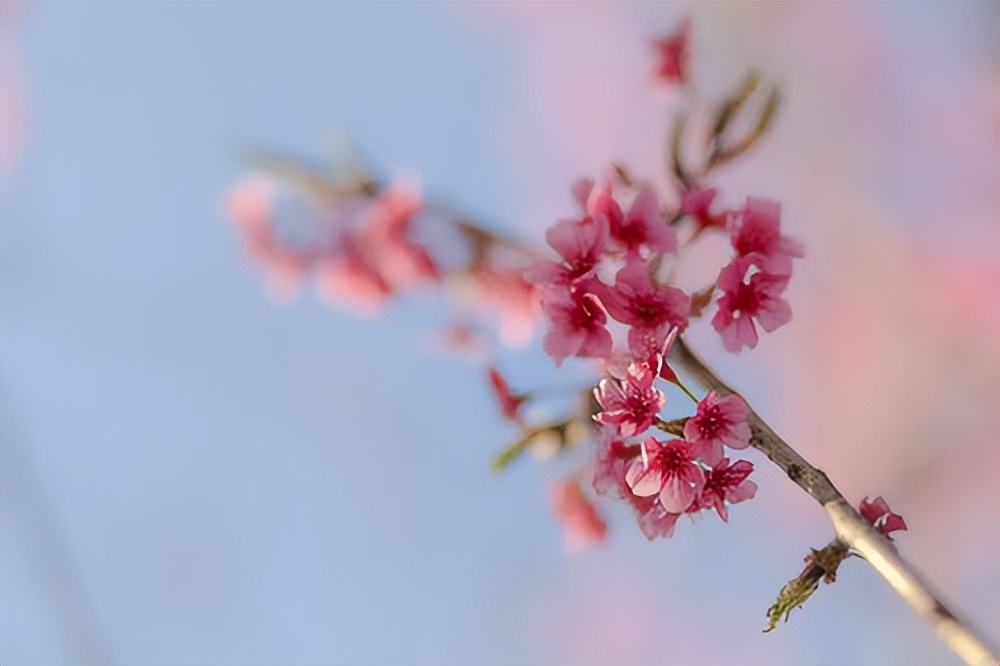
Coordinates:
[633,404]
[718,422]
[650,309]
[725,483]
[742,301]
[614,457]
[579,243]
[878,513]
[578,324]
[673,56]
[582,525]
[642,226]
[755,230]
[668,471]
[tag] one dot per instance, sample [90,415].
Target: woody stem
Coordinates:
[850,527]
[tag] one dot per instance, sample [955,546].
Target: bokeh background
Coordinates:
[190,473]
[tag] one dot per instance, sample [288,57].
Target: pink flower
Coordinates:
[633,404]
[696,203]
[403,262]
[510,404]
[642,226]
[718,421]
[580,243]
[352,280]
[581,523]
[506,294]
[742,301]
[673,56]
[655,521]
[613,459]
[877,513]
[667,471]
[248,204]
[578,324]
[725,483]
[651,310]
[756,230]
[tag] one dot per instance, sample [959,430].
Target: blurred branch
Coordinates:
[851,529]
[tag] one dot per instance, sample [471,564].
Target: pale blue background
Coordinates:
[190,474]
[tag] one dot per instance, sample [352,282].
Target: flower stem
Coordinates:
[851,529]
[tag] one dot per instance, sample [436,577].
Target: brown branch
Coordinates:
[851,529]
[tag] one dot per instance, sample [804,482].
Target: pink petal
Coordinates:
[644,481]
[677,494]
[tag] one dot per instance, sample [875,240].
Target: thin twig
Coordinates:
[848,524]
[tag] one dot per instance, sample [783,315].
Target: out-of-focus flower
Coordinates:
[582,525]
[404,263]
[503,293]
[673,56]
[510,404]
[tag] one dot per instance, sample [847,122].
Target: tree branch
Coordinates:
[850,527]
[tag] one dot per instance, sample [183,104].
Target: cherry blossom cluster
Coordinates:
[605,288]
[362,245]
[606,280]
[356,244]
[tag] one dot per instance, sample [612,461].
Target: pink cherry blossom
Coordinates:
[386,235]
[742,301]
[725,483]
[614,457]
[651,310]
[696,203]
[633,404]
[673,56]
[756,230]
[510,404]
[580,243]
[642,226]
[878,513]
[350,279]
[503,293]
[655,521]
[718,421]
[578,324]
[581,523]
[668,471]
